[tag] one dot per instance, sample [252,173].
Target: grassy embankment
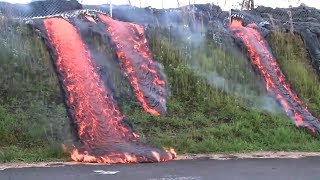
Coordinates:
[204,119]
[294,61]
[201,118]
[33,121]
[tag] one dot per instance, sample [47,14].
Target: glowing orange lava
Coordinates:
[276,82]
[89,18]
[104,135]
[136,60]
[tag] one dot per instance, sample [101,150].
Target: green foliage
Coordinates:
[50,152]
[210,64]
[32,113]
[227,130]
[294,61]
[201,118]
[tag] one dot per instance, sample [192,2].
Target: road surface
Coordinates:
[198,169]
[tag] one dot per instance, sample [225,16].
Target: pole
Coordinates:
[251,4]
[111,8]
[230,18]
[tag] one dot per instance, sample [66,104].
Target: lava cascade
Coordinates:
[135,59]
[276,83]
[104,134]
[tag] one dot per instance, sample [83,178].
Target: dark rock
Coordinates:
[38,8]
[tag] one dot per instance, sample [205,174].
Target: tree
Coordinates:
[110,8]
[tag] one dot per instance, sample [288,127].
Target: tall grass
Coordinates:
[32,114]
[203,118]
[294,61]
[219,63]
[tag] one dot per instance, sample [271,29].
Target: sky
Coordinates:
[224,4]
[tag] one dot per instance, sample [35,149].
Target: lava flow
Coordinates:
[103,133]
[276,82]
[136,61]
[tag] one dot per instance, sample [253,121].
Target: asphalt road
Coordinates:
[200,169]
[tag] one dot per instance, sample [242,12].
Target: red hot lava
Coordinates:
[276,82]
[135,58]
[102,130]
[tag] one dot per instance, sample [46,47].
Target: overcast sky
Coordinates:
[225,4]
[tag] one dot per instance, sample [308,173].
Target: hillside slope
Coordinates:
[217,101]
[201,118]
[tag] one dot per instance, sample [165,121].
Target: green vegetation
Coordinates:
[33,118]
[293,60]
[201,117]
[205,119]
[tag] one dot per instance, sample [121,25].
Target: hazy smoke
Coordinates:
[252,91]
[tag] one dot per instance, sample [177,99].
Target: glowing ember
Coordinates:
[104,135]
[276,82]
[136,61]
[89,18]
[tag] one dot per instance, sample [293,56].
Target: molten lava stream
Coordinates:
[136,61]
[276,82]
[102,131]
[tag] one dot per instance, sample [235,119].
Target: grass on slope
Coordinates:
[205,119]
[201,118]
[292,57]
[32,115]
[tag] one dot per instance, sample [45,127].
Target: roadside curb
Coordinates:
[252,155]
[227,156]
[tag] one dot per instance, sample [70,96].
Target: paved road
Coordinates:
[205,169]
